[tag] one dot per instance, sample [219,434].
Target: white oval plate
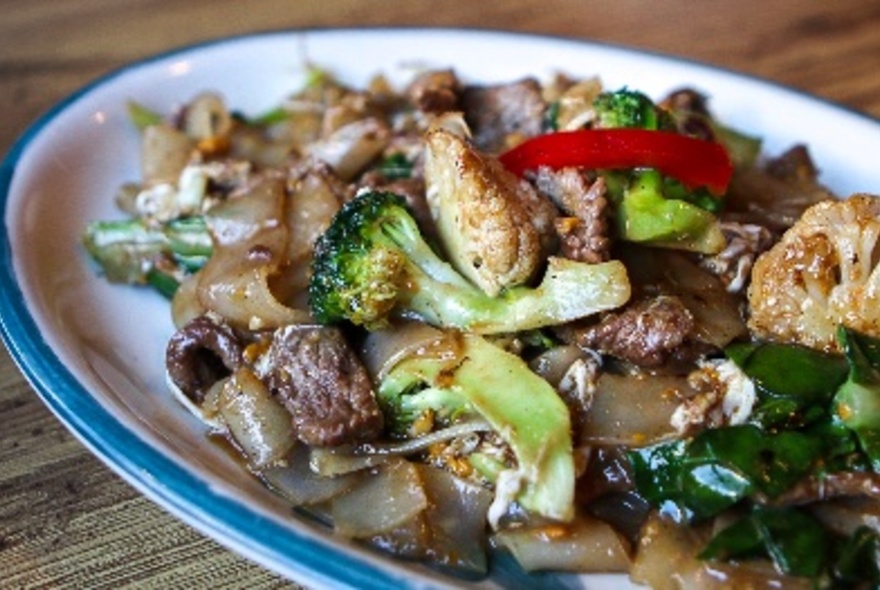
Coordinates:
[94,352]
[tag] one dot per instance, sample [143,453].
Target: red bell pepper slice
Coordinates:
[694,162]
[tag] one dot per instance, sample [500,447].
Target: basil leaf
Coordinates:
[718,468]
[772,462]
[856,561]
[799,545]
[795,383]
[796,542]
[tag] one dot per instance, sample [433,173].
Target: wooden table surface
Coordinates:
[66,521]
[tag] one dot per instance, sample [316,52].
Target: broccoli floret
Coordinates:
[627,108]
[647,214]
[373,264]
[519,405]
[405,401]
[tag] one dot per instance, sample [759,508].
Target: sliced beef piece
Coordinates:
[583,229]
[201,353]
[691,112]
[646,333]
[323,384]
[795,165]
[435,91]
[678,313]
[846,484]
[494,113]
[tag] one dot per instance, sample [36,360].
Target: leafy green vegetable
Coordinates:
[817,414]
[141,116]
[857,402]
[718,468]
[856,560]
[795,541]
[794,383]
[799,545]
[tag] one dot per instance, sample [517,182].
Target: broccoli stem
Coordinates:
[645,214]
[519,405]
[568,291]
[127,250]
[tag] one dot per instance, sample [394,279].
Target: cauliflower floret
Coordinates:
[822,273]
[494,227]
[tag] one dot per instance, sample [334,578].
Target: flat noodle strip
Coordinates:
[250,241]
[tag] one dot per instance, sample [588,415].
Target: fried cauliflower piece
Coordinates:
[822,273]
[495,228]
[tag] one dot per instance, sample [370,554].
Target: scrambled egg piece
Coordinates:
[822,273]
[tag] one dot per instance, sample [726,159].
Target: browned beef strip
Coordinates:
[846,484]
[495,112]
[200,354]
[435,91]
[583,230]
[645,333]
[323,384]
[794,165]
[691,112]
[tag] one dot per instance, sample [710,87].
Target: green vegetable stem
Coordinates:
[520,406]
[132,251]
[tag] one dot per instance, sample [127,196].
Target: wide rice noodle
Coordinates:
[250,241]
